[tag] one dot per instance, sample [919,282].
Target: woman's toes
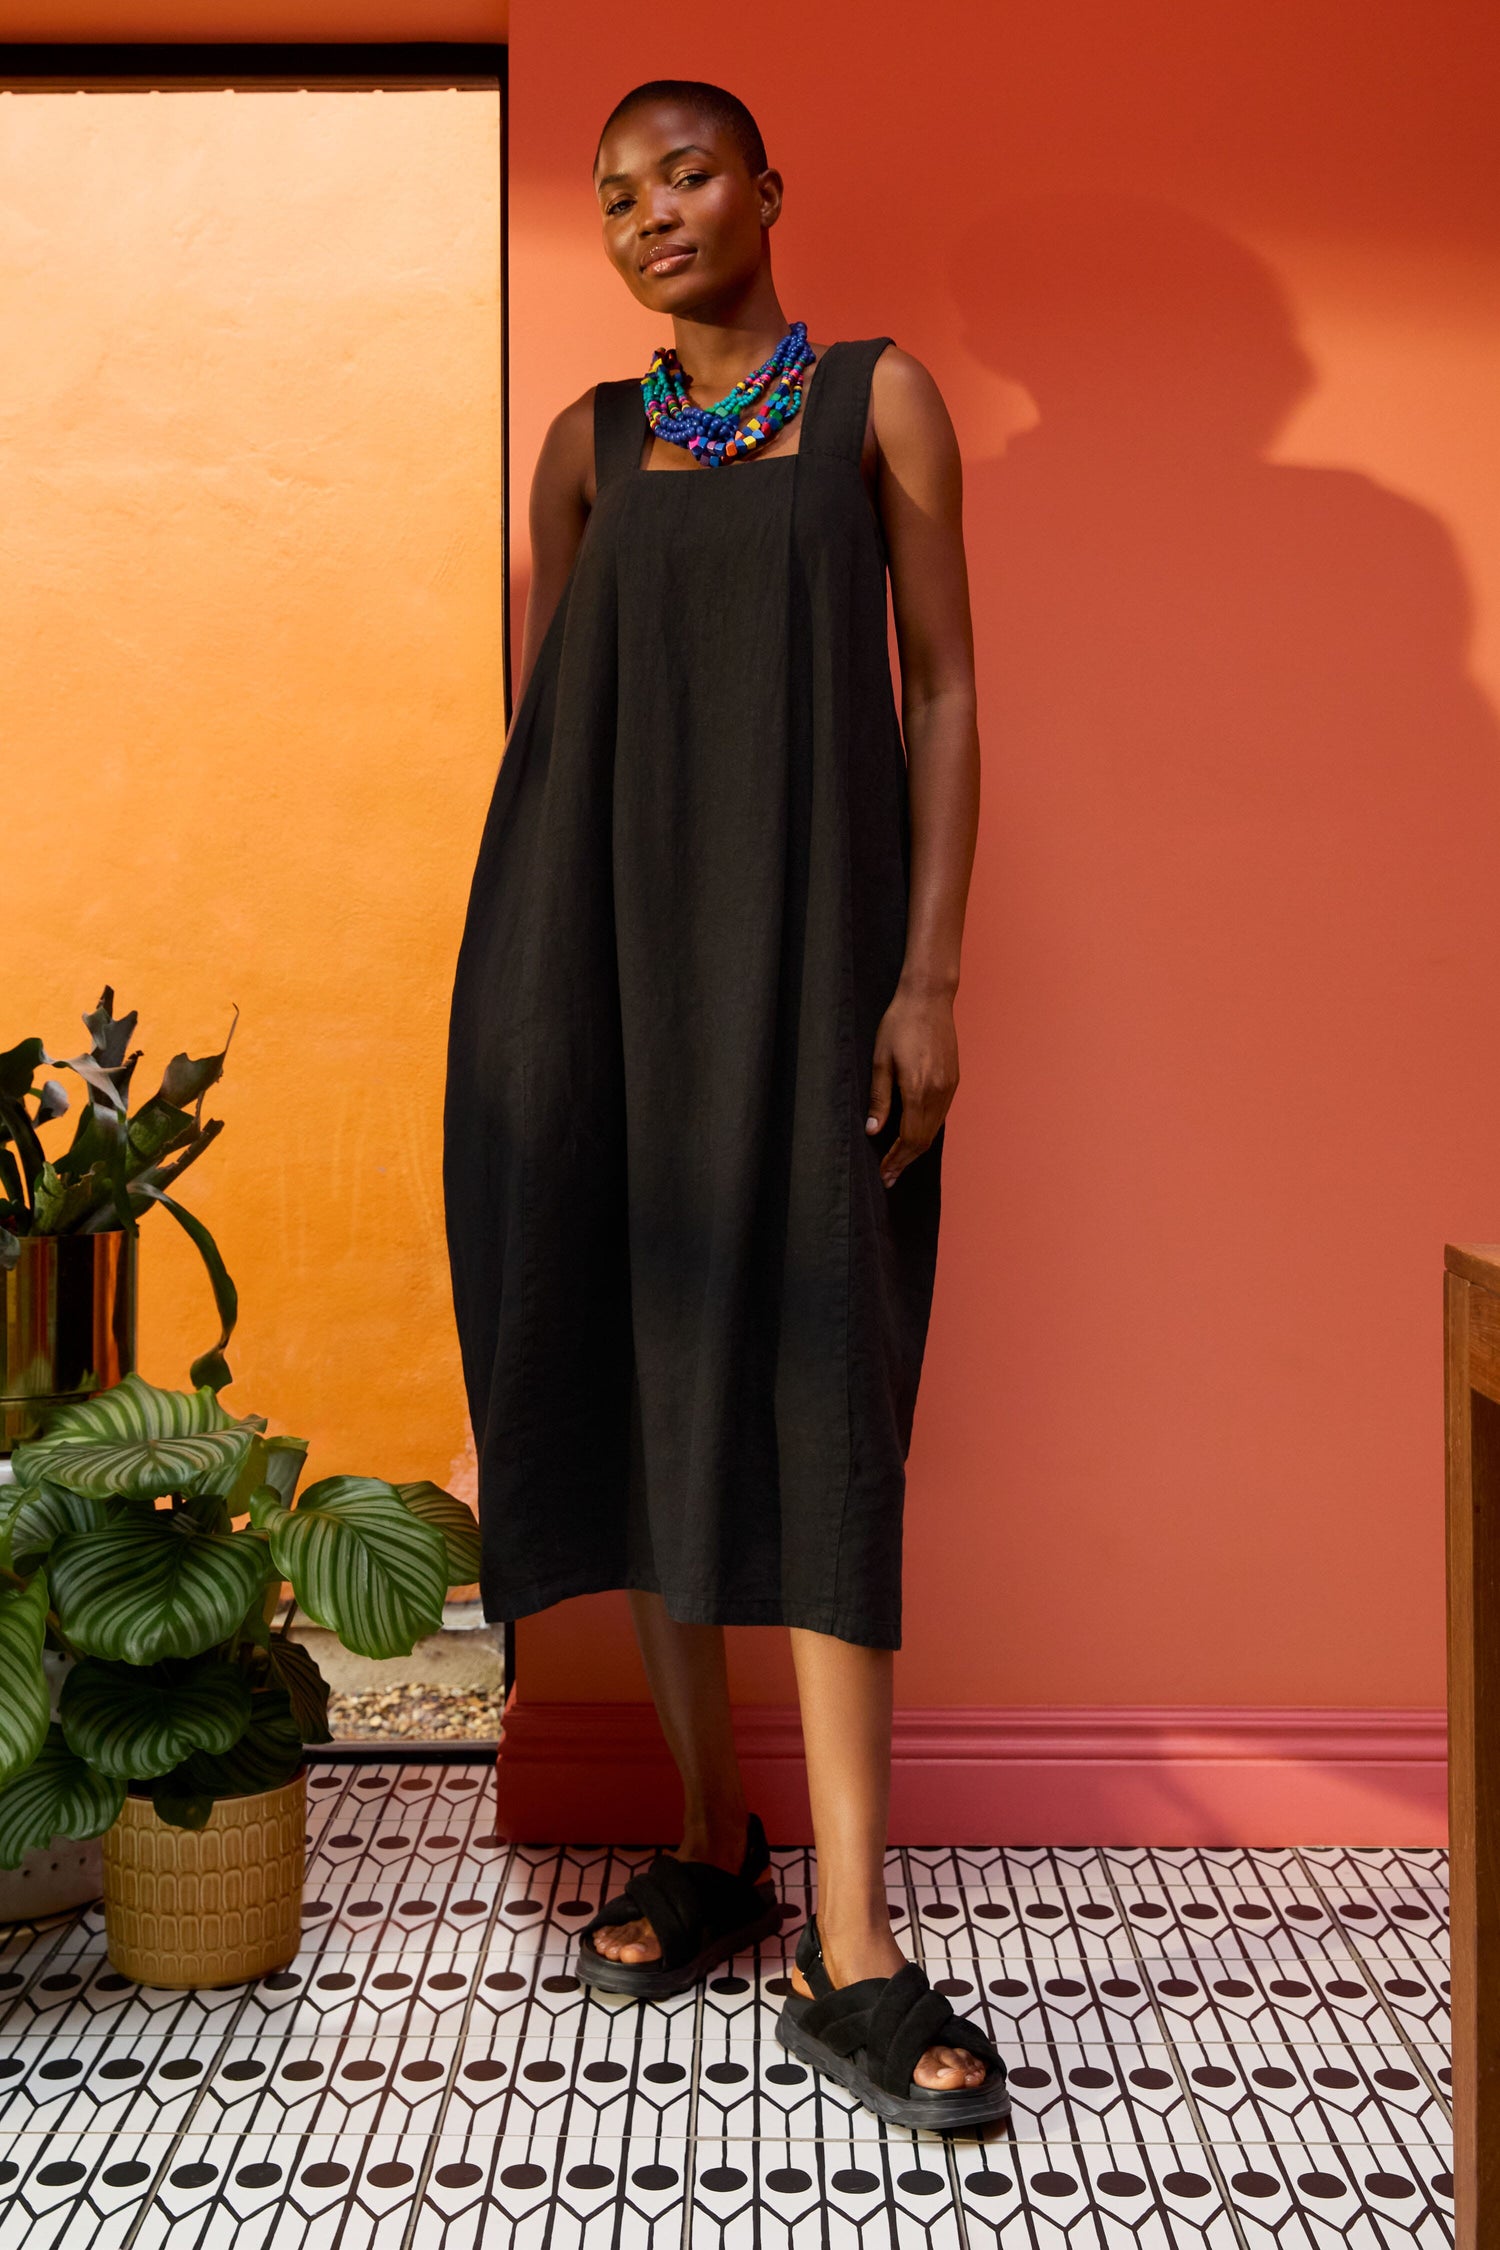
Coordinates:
[637,1943]
[947,2069]
[626,1941]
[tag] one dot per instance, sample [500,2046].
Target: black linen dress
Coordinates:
[691,1317]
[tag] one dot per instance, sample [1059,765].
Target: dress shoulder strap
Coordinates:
[619,429]
[838,398]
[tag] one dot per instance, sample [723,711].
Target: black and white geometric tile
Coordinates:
[1219,2050]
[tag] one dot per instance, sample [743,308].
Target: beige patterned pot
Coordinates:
[218,1905]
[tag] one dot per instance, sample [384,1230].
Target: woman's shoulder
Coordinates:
[904,395]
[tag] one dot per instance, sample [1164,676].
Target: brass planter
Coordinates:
[189,1909]
[69,1325]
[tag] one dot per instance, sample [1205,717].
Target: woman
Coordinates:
[701,1051]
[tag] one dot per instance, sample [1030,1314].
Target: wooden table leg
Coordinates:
[1472,1378]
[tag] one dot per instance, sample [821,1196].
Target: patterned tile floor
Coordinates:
[1207,2048]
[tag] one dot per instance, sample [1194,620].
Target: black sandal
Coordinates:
[701,1915]
[870,2036]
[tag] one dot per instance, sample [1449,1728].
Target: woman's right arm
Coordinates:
[562,493]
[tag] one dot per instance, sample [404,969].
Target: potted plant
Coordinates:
[146,1538]
[69,1221]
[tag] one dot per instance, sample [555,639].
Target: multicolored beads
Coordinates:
[718,434]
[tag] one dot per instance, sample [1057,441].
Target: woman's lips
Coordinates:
[667,261]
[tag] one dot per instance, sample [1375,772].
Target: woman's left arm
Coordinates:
[921,505]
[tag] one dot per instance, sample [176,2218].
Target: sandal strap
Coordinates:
[809,1959]
[894,2020]
[688,1903]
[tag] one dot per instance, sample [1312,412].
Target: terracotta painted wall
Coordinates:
[1214,298]
[132,20]
[249,414]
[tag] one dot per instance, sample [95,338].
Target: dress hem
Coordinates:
[698,1609]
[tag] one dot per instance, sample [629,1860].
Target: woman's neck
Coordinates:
[717,351]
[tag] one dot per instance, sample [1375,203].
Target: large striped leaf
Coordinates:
[25,1704]
[455,1522]
[140,1442]
[359,1561]
[57,1795]
[140,1723]
[40,1515]
[292,1668]
[267,1754]
[138,1591]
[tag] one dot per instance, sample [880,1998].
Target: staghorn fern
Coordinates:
[116,1165]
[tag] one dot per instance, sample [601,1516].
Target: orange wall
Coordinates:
[1213,296]
[249,410]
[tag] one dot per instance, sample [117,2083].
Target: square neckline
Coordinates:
[753,460]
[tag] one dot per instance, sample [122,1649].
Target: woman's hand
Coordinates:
[916,1049]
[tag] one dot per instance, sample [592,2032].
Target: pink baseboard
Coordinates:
[599,1773]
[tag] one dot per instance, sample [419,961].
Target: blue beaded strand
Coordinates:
[726,432]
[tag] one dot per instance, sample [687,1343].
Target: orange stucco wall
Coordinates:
[1213,297]
[249,412]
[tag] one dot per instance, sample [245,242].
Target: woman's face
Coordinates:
[684,221]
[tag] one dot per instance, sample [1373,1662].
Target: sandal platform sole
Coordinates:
[933,2112]
[647,1980]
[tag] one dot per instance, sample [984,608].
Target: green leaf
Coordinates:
[285,1459]
[266,1756]
[455,1522]
[156,1587]
[110,1037]
[16,1125]
[162,1175]
[137,1723]
[212,1368]
[59,1203]
[185,1080]
[140,1442]
[181,1807]
[155,1130]
[40,1514]
[293,1669]
[25,1704]
[359,1561]
[19,1065]
[57,1795]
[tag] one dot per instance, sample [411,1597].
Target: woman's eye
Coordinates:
[691,179]
[613,210]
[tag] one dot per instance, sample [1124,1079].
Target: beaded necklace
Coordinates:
[715,435]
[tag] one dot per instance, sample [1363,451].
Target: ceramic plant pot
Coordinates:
[188,1908]
[67,1325]
[57,1878]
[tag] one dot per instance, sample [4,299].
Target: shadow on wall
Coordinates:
[1245,802]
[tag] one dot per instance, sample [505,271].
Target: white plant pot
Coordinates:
[57,1879]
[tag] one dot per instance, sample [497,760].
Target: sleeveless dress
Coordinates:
[691,1317]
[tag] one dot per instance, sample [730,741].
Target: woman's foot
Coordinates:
[947,2070]
[721,1846]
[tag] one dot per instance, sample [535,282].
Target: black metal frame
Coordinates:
[401,1753]
[87,66]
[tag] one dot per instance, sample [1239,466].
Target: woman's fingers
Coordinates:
[920,1119]
[916,1056]
[880,1090]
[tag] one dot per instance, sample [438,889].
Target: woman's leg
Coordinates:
[846,1694]
[690,1688]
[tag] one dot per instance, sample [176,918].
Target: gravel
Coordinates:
[415,1714]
